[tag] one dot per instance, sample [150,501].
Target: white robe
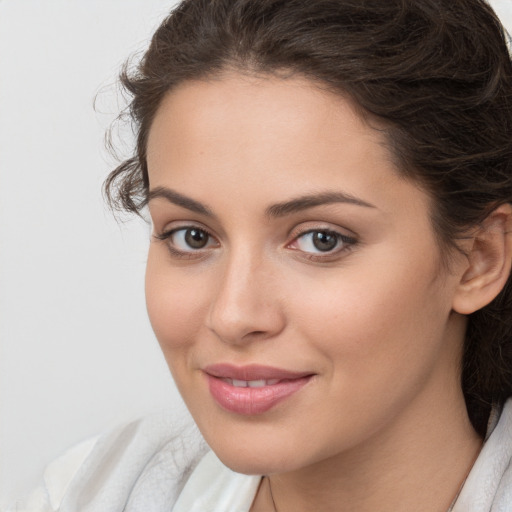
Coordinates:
[149,466]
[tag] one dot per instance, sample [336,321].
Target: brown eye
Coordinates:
[196,238]
[189,239]
[319,241]
[324,240]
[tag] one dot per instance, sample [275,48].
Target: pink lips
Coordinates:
[265,386]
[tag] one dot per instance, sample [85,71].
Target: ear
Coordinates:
[488,263]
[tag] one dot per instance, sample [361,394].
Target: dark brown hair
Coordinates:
[435,73]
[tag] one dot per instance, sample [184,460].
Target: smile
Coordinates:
[253,389]
[251,383]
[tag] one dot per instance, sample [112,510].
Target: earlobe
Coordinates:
[488,263]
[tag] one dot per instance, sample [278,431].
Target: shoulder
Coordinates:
[213,486]
[56,479]
[489,484]
[503,452]
[144,463]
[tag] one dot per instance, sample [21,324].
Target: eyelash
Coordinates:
[344,243]
[347,243]
[177,253]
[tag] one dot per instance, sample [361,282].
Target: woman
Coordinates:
[330,189]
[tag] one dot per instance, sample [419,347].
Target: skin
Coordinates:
[382,425]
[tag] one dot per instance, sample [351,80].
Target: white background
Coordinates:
[77,355]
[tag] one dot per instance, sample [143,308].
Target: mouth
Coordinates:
[250,383]
[253,389]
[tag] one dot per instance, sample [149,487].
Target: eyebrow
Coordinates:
[277,210]
[180,200]
[310,201]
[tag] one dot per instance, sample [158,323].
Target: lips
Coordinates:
[252,389]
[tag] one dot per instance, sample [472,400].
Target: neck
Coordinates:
[418,462]
[424,477]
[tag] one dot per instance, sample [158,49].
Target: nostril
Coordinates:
[255,335]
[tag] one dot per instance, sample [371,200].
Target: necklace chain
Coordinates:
[275,508]
[271,495]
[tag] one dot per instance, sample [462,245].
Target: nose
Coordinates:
[246,305]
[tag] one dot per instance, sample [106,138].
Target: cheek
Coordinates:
[173,302]
[384,316]
[379,336]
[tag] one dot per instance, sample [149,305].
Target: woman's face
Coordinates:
[293,281]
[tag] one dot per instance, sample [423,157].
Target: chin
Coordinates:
[253,465]
[266,456]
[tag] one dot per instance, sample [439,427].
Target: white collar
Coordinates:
[214,487]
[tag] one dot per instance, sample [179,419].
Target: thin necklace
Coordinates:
[271,495]
[275,508]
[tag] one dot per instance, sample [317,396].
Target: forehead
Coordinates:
[290,105]
[287,133]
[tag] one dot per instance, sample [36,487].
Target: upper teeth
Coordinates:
[251,383]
